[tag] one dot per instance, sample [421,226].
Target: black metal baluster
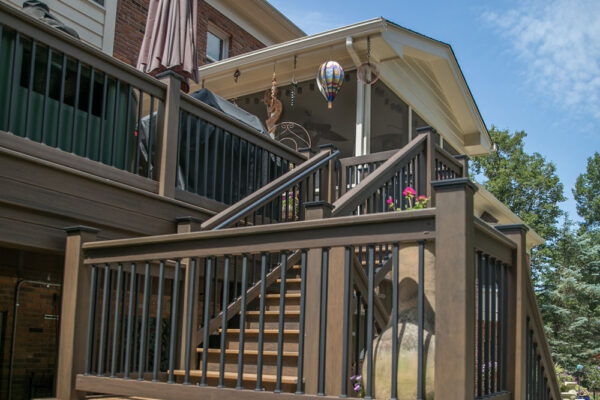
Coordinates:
[91,320]
[138,132]
[197,156]
[75,107]
[30,85]
[224,321]
[189,326]
[231,169]
[347,324]
[261,320]
[106,291]
[215,283]
[205,326]
[145,310]
[174,318]
[395,277]
[504,325]
[281,321]
[150,137]
[116,338]
[223,162]
[487,317]
[215,159]
[86,145]
[46,91]
[207,135]
[357,338]
[369,322]
[301,322]
[239,384]
[13,81]
[102,117]
[114,127]
[127,128]
[480,305]
[61,100]
[187,152]
[421,312]
[130,321]
[158,326]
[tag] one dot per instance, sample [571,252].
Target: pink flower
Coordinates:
[422,198]
[409,192]
[390,201]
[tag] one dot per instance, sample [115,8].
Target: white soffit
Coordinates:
[420,70]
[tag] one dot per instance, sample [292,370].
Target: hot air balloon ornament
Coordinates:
[330,79]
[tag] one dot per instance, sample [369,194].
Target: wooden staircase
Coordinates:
[271,332]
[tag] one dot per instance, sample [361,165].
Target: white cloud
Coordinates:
[558,41]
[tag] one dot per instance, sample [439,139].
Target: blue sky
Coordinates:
[532,65]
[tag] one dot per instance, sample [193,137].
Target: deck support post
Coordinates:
[517,311]
[186,225]
[74,312]
[313,210]
[168,132]
[454,290]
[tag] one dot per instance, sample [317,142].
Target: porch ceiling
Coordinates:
[420,70]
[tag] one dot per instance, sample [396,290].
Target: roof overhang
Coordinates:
[486,202]
[251,15]
[420,70]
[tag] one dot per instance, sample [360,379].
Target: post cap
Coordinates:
[512,227]
[454,184]
[169,72]
[190,219]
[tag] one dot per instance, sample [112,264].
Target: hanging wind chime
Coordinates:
[329,80]
[274,106]
[368,72]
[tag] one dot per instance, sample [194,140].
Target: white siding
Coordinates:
[94,24]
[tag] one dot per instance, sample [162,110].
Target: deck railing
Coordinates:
[122,124]
[155,313]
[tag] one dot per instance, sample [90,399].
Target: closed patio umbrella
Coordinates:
[170,38]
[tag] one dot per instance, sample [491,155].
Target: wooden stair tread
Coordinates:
[290,313]
[234,375]
[251,331]
[287,295]
[249,352]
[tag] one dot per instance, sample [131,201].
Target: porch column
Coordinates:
[185,225]
[517,311]
[454,373]
[74,311]
[168,131]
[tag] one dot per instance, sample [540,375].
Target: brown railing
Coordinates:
[121,124]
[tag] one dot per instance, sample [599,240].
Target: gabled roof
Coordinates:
[422,71]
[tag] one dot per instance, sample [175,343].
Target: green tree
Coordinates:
[528,185]
[587,193]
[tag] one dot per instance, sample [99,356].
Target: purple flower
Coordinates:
[357,387]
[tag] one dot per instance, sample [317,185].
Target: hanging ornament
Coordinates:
[329,80]
[368,72]
[274,106]
[294,85]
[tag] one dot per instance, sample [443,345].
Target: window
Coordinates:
[101,2]
[217,44]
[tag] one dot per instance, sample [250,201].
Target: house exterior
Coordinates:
[145,234]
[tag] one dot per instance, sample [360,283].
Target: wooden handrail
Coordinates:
[353,198]
[265,193]
[490,241]
[330,232]
[448,160]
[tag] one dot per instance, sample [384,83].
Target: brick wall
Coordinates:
[37,332]
[131,23]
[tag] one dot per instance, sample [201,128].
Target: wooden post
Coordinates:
[454,290]
[329,179]
[463,159]
[74,312]
[313,210]
[517,311]
[185,225]
[428,164]
[168,133]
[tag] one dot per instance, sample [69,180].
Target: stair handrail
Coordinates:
[269,192]
[354,197]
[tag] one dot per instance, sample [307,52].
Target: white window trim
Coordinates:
[221,34]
